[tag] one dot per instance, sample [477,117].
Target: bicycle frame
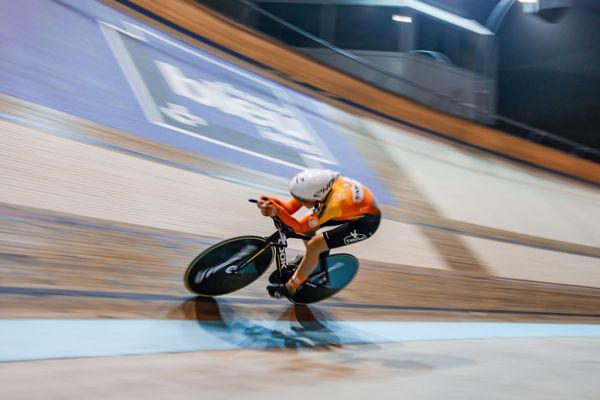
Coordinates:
[278,240]
[209,274]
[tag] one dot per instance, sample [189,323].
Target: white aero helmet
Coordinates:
[313,184]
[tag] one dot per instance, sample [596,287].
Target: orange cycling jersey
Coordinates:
[348,200]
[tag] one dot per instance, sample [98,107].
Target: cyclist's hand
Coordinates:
[262,202]
[267,207]
[270,210]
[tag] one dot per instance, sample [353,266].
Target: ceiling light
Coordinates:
[402,18]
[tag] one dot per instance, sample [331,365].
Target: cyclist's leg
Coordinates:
[345,234]
[352,232]
[287,272]
[314,247]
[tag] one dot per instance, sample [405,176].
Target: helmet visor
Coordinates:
[301,200]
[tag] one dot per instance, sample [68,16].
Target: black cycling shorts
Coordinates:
[351,231]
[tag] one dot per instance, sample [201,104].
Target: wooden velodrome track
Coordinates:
[82,235]
[109,242]
[97,225]
[97,252]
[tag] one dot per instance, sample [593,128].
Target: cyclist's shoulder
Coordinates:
[346,182]
[351,196]
[350,187]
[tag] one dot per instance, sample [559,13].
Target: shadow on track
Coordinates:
[296,327]
[300,328]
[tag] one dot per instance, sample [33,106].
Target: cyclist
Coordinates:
[334,200]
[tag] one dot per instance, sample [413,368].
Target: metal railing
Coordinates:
[239,11]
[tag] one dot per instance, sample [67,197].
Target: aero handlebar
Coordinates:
[289,231]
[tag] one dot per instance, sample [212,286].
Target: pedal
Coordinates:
[287,274]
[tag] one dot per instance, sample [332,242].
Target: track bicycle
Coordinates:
[232,264]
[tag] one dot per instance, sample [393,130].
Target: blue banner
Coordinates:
[89,60]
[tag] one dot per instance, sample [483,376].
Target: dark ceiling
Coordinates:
[549,64]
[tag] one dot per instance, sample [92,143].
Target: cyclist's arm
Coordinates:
[290,206]
[309,222]
[297,226]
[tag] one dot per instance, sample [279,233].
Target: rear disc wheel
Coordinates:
[341,269]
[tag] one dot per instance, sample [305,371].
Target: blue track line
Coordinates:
[27,340]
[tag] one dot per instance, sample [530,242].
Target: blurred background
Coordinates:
[511,64]
[133,132]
